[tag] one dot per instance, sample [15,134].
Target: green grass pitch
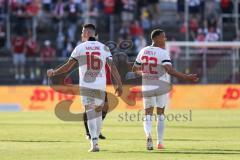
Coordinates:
[210,134]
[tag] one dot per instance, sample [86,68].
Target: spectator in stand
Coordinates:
[19,59]
[226,6]
[92,13]
[78,4]
[211,10]
[212,35]
[18,17]
[211,22]
[32,49]
[58,14]
[72,13]
[145,19]
[58,17]
[108,6]
[48,54]
[154,11]
[32,9]
[127,14]
[108,9]
[135,30]
[141,4]
[200,36]
[194,6]
[193,25]
[47,6]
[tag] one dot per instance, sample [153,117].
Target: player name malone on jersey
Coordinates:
[92,57]
[154,75]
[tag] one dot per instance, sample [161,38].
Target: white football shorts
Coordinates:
[91,97]
[159,101]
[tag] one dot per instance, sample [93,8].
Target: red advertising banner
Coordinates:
[32,98]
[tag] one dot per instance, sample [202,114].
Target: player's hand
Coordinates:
[139,73]
[192,77]
[50,73]
[119,91]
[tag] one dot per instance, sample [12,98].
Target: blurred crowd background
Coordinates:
[40,34]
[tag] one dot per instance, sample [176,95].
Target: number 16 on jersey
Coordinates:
[93,62]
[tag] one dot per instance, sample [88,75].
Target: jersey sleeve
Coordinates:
[138,61]
[75,53]
[108,53]
[166,59]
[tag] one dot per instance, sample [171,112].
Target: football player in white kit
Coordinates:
[153,63]
[91,56]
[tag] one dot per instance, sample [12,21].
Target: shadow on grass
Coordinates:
[39,141]
[183,140]
[111,139]
[129,125]
[189,151]
[218,150]
[205,127]
[194,140]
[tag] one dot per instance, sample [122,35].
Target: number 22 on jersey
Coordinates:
[151,63]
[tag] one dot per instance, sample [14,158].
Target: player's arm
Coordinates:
[188,77]
[62,69]
[137,66]
[116,76]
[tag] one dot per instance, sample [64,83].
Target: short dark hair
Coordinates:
[89,26]
[156,32]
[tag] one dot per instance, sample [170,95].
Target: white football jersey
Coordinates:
[91,57]
[152,59]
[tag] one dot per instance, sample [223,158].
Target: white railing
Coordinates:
[233,51]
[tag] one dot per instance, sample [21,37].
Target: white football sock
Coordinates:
[93,131]
[147,124]
[160,128]
[99,123]
[92,125]
[94,141]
